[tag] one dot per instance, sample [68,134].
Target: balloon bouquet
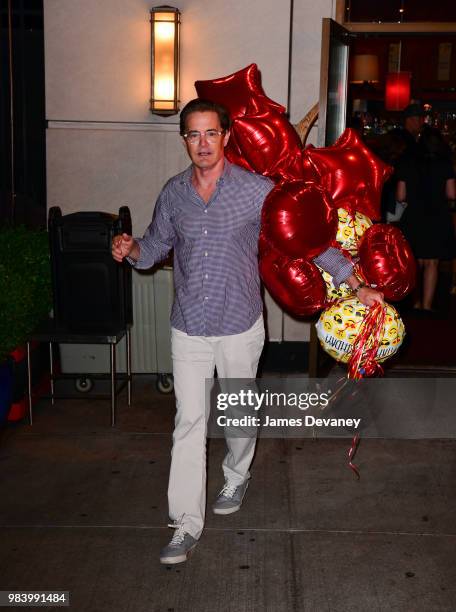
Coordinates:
[323,197]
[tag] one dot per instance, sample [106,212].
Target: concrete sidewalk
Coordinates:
[83,509]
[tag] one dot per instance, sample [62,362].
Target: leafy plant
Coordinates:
[25,284]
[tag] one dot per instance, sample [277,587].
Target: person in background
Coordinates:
[426,181]
[390,147]
[413,124]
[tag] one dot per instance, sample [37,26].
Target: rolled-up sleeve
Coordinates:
[336,264]
[159,237]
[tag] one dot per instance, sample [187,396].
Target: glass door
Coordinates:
[332,109]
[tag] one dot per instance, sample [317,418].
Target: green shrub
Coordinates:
[25,284]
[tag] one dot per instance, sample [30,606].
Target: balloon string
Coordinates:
[362,361]
[358,272]
[351,456]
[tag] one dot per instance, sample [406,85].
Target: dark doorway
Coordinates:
[22,113]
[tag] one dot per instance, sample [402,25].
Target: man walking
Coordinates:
[210,215]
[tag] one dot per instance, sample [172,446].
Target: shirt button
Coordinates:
[205,210]
[205,231]
[205,297]
[206,276]
[206,253]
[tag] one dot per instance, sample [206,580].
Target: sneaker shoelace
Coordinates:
[179,535]
[228,490]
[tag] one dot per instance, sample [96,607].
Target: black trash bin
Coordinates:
[92,292]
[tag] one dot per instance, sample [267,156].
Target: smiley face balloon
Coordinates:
[351,227]
[332,292]
[339,325]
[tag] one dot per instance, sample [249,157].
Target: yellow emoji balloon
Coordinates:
[346,317]
[350,229]
[331,292]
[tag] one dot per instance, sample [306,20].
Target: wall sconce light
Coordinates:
[364,69]
[397,90]
[165,25]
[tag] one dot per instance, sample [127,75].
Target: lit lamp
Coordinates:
[397,90]
[165,24]
[364,69]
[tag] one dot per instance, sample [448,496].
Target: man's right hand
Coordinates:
[124,245]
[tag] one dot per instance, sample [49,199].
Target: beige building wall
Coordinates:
[104,148]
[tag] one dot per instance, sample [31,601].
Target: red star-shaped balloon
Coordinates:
[270,145]
[351,174]
[241,93]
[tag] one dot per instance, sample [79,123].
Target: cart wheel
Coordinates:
[165,383]
[83,384]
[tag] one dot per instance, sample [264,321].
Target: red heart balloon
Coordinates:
[386,260]
[298,219]
[296,284]
[269,144]
[241,92]
[351,174]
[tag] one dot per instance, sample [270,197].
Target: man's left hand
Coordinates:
[369,296]
[366,295]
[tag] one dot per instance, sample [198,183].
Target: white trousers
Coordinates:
[194,360]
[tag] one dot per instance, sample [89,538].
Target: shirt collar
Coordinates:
[226,175]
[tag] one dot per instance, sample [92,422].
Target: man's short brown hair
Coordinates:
[199,105]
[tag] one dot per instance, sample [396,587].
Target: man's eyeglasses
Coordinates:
[211,136]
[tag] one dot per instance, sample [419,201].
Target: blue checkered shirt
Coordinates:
[216,279]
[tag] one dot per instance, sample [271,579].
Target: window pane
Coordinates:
[390,10]
[443,10]
[374,10]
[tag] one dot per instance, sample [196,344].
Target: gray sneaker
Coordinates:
[230,498]
[180,547]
